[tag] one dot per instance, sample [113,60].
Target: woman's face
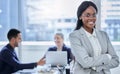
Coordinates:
[58,40]
[88,18]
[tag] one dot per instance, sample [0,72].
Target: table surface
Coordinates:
[41,70]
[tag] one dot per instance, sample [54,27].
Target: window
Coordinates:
[45,17]
[8,17]
[110,18]
[40,19]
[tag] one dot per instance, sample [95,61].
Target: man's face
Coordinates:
[18,39]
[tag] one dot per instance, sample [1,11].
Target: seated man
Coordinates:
[9,62]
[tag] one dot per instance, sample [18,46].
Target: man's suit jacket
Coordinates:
[9,62]
[83,52]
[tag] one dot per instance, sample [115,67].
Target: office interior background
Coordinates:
[39,20]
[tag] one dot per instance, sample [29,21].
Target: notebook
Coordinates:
[56,58]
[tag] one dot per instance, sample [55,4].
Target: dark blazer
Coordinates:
[9,63]
[64,48]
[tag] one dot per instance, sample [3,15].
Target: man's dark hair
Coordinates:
[12,33]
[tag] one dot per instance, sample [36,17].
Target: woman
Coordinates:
[92,49]
[60,46]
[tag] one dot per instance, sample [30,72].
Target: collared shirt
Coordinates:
[59,49]
[94,42]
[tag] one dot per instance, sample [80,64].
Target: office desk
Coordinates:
[41,70]
[34,72]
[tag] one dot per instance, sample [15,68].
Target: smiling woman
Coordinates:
[91,47]
[88,18]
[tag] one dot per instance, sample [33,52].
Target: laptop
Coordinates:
[55,58]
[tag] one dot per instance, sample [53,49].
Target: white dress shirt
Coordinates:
[95,43]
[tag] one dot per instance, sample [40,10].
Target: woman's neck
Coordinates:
[89,30]
[59,46]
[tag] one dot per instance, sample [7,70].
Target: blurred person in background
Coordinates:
[60,46]
[9,62]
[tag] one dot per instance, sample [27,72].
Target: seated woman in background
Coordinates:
[60,46]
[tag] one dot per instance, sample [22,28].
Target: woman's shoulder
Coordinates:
[66,47]
[75,32]
[52,48]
